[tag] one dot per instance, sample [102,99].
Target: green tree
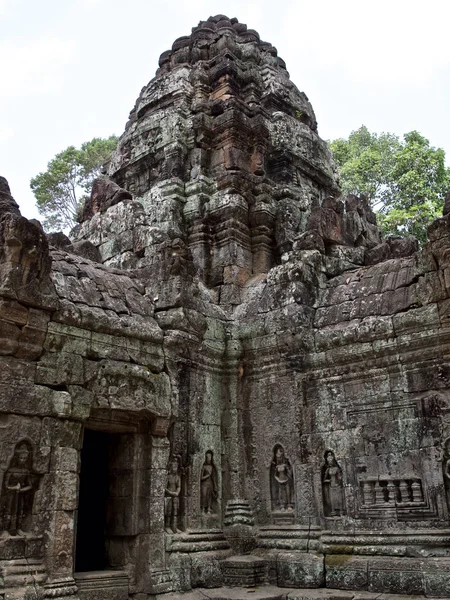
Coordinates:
[363,162]
[405,180]
[61,189]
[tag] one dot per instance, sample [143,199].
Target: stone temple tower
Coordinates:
[225,377]
[222,154]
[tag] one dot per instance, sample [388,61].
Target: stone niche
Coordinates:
[225,377]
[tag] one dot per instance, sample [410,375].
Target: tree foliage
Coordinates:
[405,180]
[60,190]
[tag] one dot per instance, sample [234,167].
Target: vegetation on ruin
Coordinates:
[62,188]
[406,180]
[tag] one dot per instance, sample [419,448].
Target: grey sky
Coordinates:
[72,69]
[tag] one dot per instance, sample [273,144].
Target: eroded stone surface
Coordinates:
[222,308]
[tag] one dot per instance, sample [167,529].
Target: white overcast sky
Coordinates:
[70,70]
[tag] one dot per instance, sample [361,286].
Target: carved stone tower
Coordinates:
[226,376]
[222,153]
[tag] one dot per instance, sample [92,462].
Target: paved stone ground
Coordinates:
[276,593]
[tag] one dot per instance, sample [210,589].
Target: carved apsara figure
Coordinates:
[208,484]
[446,470]
[281,481]
[332,486]
[172,497]
[16,503]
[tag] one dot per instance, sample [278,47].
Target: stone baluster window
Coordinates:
[391,492]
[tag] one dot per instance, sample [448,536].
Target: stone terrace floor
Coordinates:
[276,593]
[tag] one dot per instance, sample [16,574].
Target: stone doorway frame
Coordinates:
[150,455]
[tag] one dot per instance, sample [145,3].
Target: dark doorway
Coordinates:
[90,541]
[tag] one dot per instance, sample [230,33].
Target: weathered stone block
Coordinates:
[205,571]
[295,569]
[65,459]
[346,572]
[12,311]
[9,337]
[399,576]
[436,577]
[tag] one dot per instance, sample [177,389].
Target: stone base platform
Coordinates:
[268,592]
[102,585]
[244,570]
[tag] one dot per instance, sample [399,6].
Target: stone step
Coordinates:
[197,541]
[102,585]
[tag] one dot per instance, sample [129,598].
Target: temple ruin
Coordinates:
[225,378]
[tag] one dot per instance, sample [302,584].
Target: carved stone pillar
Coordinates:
[151,545]
[379,494]
[404,491]
[262,218]
[233,488]
[416,488]
[62,526]
[391,492]
[368,492]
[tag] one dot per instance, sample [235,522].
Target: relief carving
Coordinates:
[172,497]
[332,486]
[446,470]
[281,481]
[208,484]
[17,495]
